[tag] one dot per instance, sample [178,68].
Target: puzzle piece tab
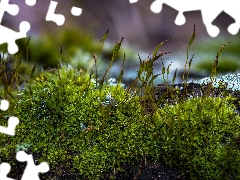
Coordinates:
[210,10]
[4,170]
[30,2]
[59,18]
[4,105]
[7,35]
[51,16]
[12,9]
[12,121]
[133,1]
[31,171]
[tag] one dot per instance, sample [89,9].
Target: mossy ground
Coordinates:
[86,127]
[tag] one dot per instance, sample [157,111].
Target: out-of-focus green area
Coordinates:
[77,47]
[206,52]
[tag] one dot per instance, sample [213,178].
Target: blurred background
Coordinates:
[142,30]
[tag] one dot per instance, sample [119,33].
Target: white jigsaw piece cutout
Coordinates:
[59,19]
[31,171]
[4,170]
[30,2]
[12,121]
[209,10]
[133,1]
[7,35]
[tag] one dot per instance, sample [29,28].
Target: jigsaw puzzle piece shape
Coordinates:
[12,9]
[209,14]
[12,123]
[59,19]
[181,6]
[233,28]
[180,19]
[9,36]
[208,17]
[232,9]
[51,16]
[4,170]
[156,6]
[31,171]
[189,5]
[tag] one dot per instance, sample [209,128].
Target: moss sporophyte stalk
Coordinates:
[80,124]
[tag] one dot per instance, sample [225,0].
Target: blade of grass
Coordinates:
[158,47]
[27,47]
[121,73]
[99,49]
[32,71]
[189,44]
[115,51]
[174,76]
[214,68]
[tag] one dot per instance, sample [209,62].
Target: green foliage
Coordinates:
[201,135]
[58,103]
[229,61]
[73,120]
[206,44]
[48,46]
[77,47]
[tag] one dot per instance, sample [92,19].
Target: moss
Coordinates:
[55,106]
[80,124]
[201,135]
[116,132]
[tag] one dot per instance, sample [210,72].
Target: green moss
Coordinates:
[201,135]
[54,108]
[76,122]
[57,105]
